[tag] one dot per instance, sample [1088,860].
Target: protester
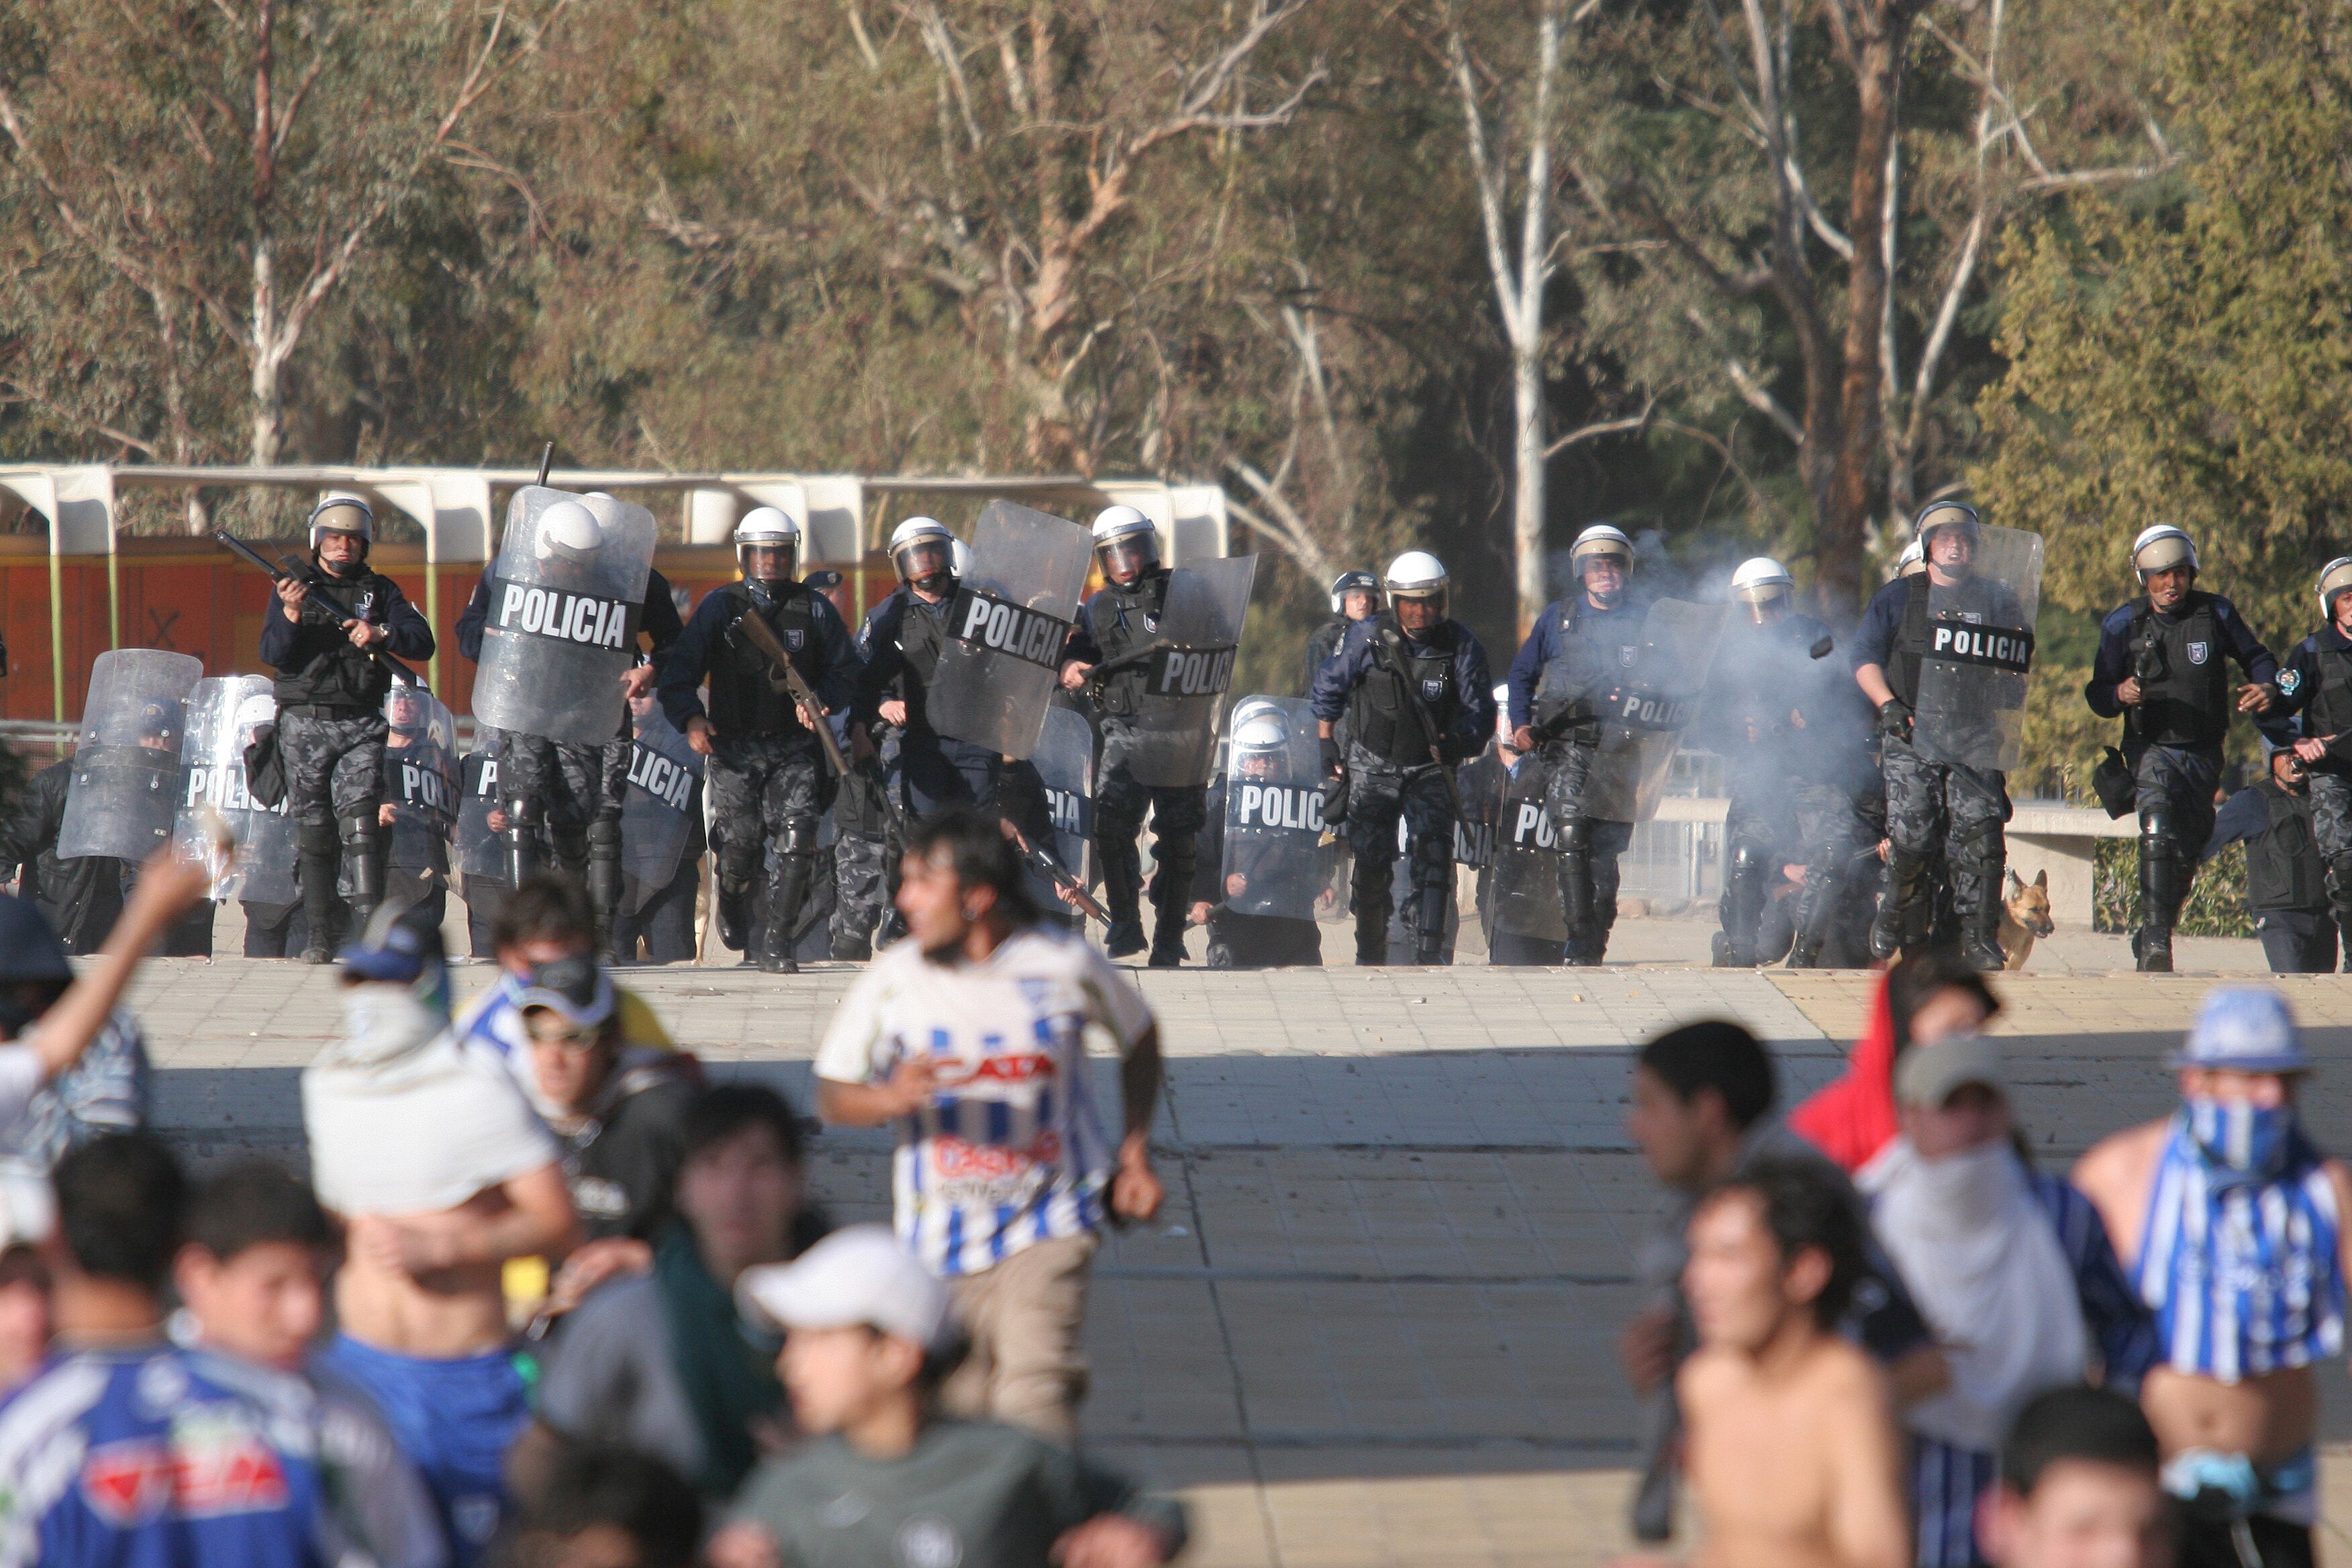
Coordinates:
[1792,1449]
[252,1275]
[547,919]
[2013,1269]
[618,1109]
[428,1148]
[1922,999]
[663,1361]
[1702,1097]
[608,1507]
[126,1449]
[2078,1486]
[2229,1222]
[1003,1178]
[80,897]
[870,1334]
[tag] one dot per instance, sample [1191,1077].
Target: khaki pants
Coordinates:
[1026,1317]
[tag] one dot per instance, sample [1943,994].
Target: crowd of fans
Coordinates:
[547,1295]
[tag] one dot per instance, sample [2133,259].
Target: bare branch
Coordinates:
[857,30]
[1600,427]
[932,28]
[1488,180]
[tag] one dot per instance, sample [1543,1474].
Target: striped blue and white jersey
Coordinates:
[1011,1150]
[2244,1277]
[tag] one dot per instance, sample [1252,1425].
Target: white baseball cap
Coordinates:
[858,1275]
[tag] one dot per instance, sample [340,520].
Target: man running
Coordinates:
[1792,1448]
[2230,1221]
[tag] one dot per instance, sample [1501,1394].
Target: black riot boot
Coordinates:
[1429,938]
[1742,907]
[1901,906]
[2159,903]
[2339,902]
[1122,874]
[1817,907]
[363,852]
[1171,900]
[786,893]
[520,834]
[321,860]
[570,846]
[1576,900]
[605,883]
[1370,902]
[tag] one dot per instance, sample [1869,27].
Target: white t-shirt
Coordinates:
[1011,1150]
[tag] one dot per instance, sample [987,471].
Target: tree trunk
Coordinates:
[268,395]
[1844,516]
[1528,477]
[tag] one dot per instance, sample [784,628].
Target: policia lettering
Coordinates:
[564,617]
[1005,627]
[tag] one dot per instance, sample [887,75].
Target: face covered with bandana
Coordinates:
[2241,1123]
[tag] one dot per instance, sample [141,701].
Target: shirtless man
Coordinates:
[1792,1450]
[428,1148]
[2229,1222]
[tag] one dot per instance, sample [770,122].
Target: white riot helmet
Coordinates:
[1348,582]
[922,550]
[1945,514]
[960,558]
[1262,733]
[1601,541]
[1416,574]
[765,528]
[568,532]
[1913,560]
[1763,586]
[1125,540]
[338,513]
[2161,549]
[2334,578]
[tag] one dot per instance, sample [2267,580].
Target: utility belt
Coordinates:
[327,710]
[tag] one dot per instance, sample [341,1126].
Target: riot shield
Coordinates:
[125,790]
[1523,887]
[1002,659]
[565,598]
[421,784]
[1643,714]
[1064,761]
[1972,674]
[1186,670]
[659,810]
[1274,863]
[480,851]
[223,712]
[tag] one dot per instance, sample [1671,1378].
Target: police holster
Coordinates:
[1335,799]
[2113,782]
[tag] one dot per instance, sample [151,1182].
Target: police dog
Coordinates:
[2024,916]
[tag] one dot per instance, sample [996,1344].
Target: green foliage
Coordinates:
[2217,903]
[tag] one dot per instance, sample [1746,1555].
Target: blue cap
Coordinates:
[2244,1028]
[398,946]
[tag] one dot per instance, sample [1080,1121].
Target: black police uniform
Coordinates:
[1576,652]
[1321,644]
[1238,941]
[81,897]
[768,780]
[664,924]
[419,783]
[900,645]
[1939,814]
[2316,682]
[330,733]
[1118,620]
[1384,685]
[572,793]
[2172,737]
[2286,879]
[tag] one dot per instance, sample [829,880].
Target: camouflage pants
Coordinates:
[1378,795]
[1943,814]
[2175,786]
[760,786]
[334,767]
[572,786]
[1570,768]
[861,892]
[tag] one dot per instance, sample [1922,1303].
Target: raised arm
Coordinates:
[167,888]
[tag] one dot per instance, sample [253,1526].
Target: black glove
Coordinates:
[1330,755]
[1895,719]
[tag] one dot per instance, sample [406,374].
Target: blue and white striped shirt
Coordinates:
[2244,1277]
[1945,1479]
[1011,1150]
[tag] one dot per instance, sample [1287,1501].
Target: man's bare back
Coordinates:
[2268,1418]
[1795,1461]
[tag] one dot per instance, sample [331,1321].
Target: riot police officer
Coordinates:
[571,794]
[1355,597]
[1576,651]
[1411,687]
[901,644]
[1122,619]
[768,779]
[1783,730]
[1261,868]
[2317,683]
[2286,879]
[1938,811]
[331,687]
[2161,668]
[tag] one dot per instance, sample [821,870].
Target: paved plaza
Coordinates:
[1376,1323]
